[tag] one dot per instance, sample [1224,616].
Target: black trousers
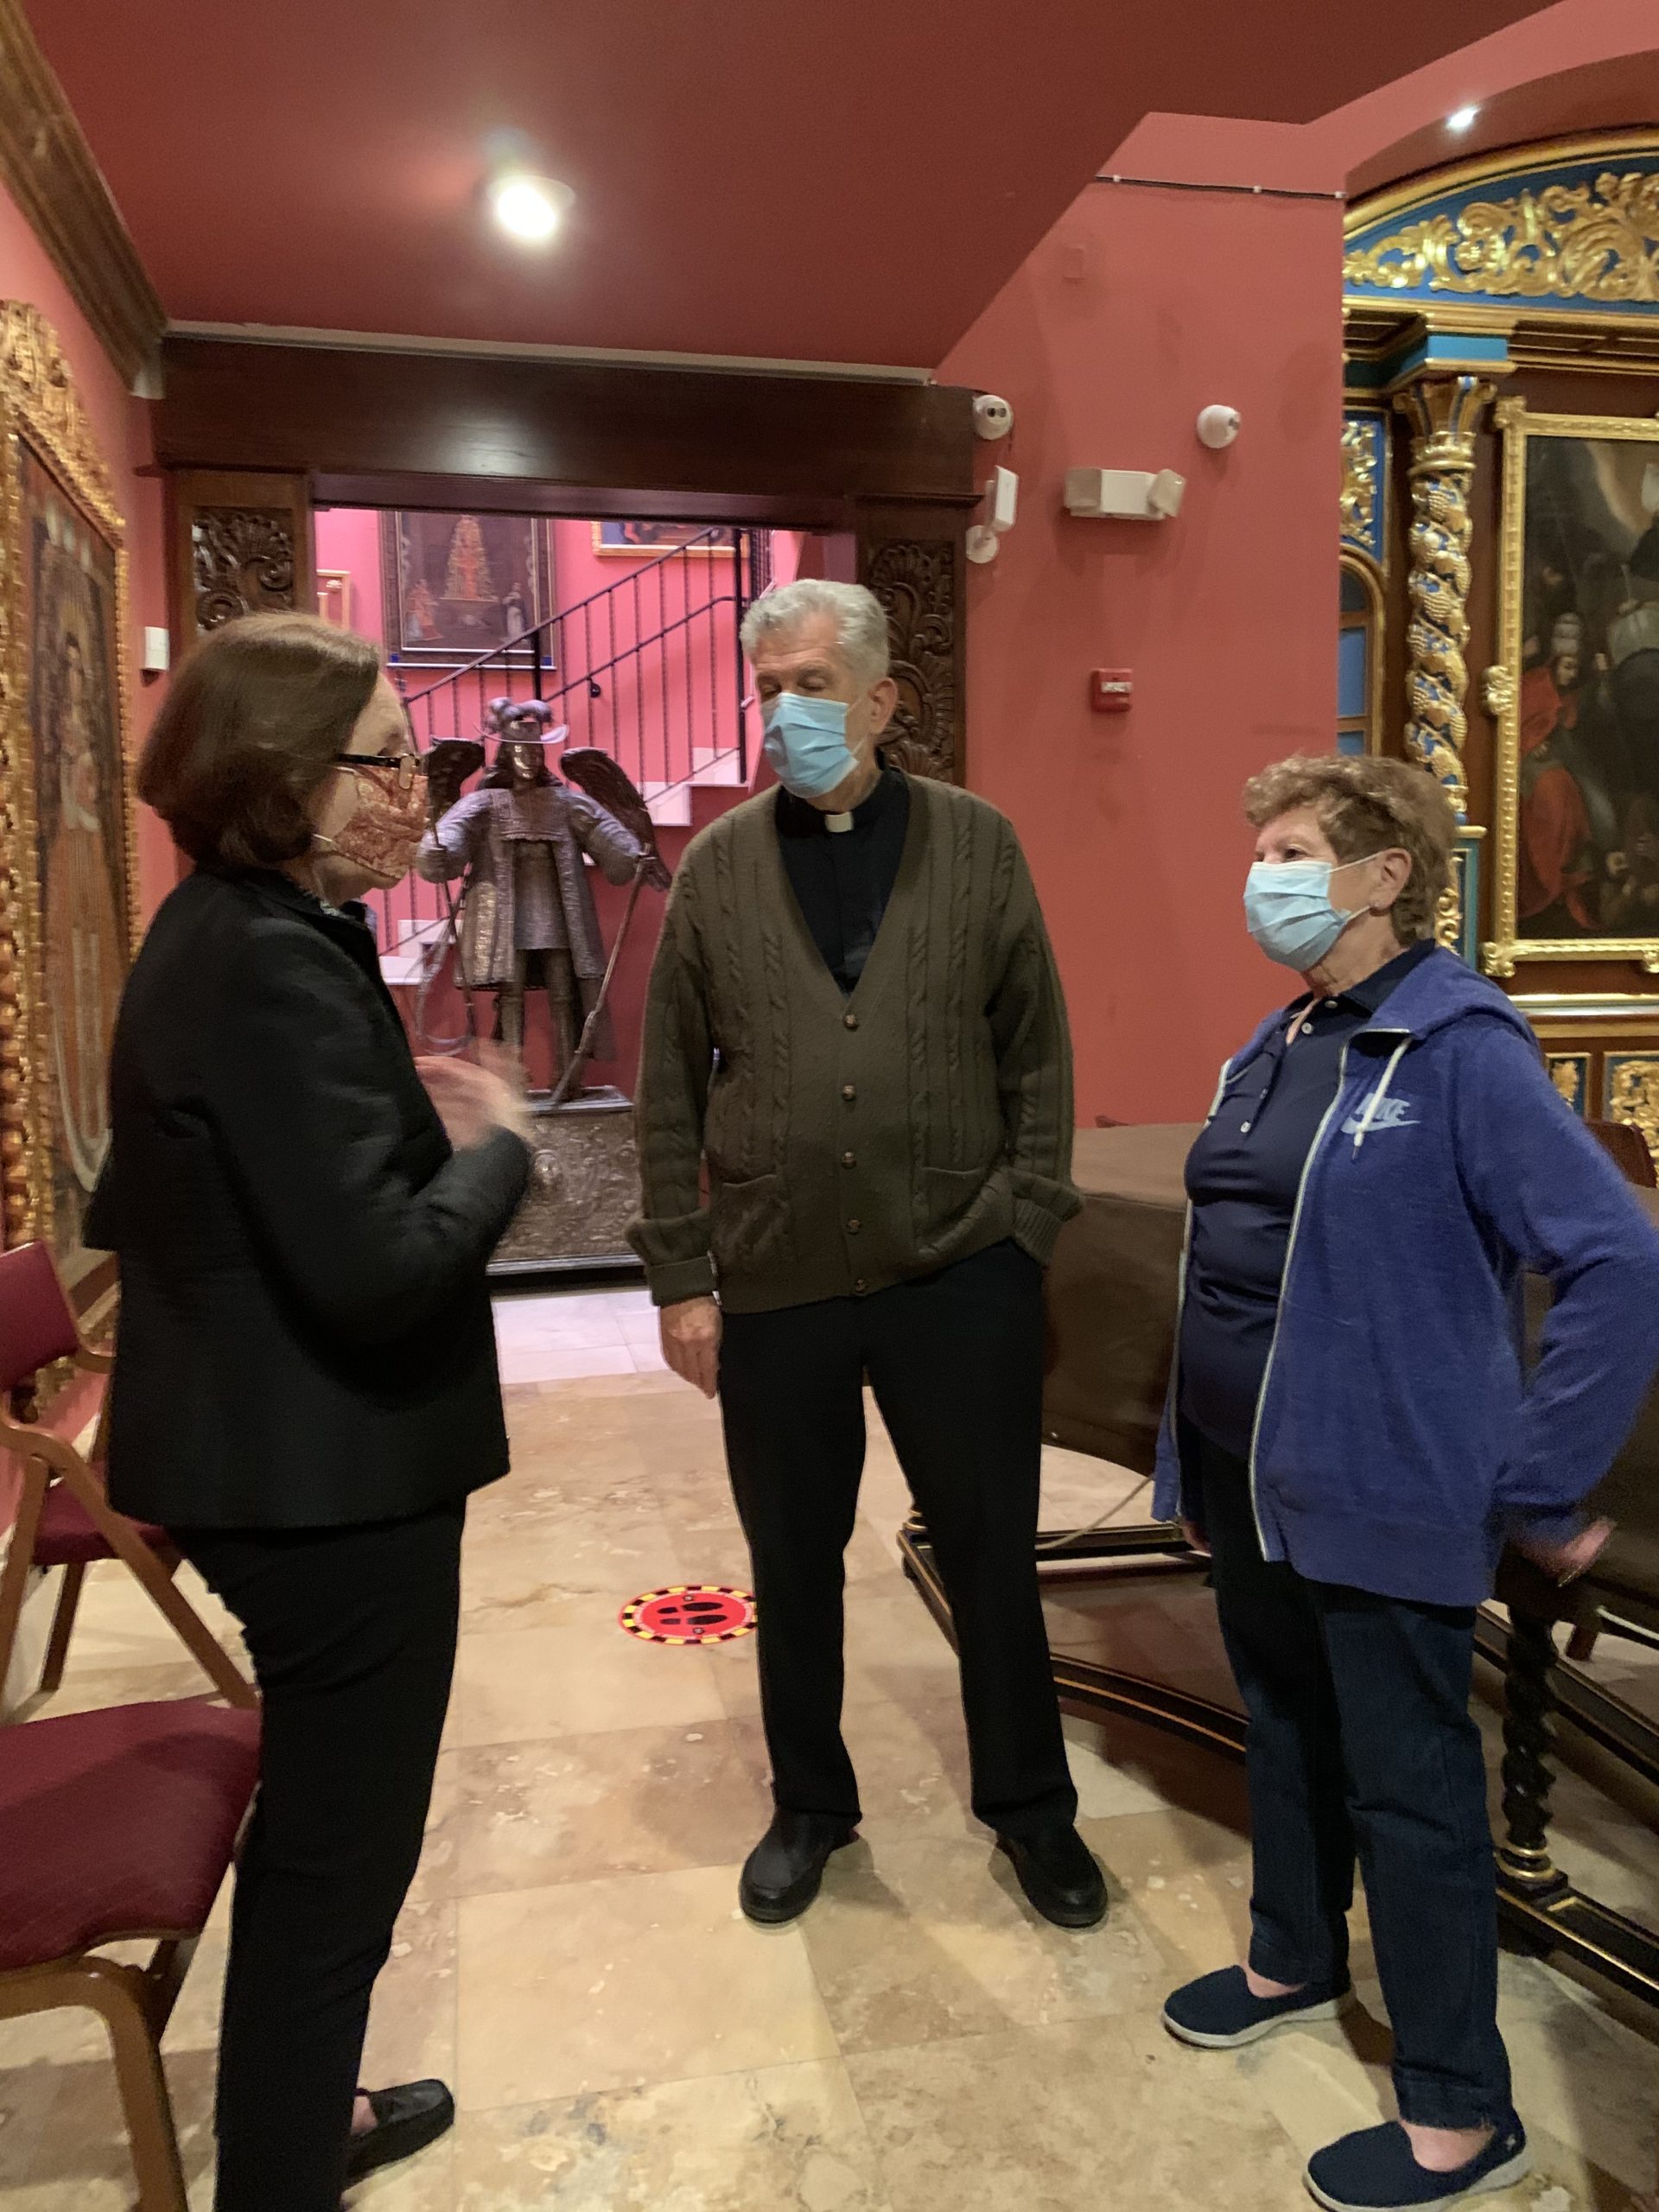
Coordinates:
[956,1362]
[1361,1738]
[352,1636]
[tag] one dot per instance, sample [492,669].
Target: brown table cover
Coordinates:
[1111,1293]
[1111,1327]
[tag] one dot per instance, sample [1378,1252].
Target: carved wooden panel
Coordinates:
[918,578]
[242,545]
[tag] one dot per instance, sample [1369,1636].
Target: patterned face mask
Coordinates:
[382,832]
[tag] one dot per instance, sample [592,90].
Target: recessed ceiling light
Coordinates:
[1461,118]
[530,208]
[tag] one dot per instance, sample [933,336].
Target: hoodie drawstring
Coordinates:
[1376,1097]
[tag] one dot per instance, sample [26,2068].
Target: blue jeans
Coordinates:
[1361,1740]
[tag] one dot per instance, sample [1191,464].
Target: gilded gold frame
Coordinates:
[1500,955]
[40,406]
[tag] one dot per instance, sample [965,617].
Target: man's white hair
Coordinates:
[860,623]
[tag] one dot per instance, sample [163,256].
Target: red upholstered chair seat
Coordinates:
[121,1822]
[65,1535]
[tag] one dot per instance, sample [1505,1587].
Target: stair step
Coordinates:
[710,766]
[668,805]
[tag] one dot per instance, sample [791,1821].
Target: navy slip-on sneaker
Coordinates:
[1217,2011]
[1373,2170]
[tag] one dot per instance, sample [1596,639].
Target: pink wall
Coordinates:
[1141,306]
[348,539]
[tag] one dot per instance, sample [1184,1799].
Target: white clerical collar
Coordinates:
[838,825]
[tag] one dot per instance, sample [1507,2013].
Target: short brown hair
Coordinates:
[1367,805]
[250,727]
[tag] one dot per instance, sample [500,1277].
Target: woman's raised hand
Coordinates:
[474,1099]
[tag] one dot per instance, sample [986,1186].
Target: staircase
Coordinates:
[650,669]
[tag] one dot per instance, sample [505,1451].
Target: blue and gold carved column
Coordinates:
[1444,412]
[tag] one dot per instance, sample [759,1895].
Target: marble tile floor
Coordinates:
[572,1958]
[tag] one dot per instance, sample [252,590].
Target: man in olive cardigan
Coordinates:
[857,1033]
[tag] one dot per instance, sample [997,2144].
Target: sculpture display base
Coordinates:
[584,1189]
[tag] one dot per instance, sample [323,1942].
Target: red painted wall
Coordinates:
[1139,307]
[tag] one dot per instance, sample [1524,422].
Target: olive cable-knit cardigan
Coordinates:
[850,1142]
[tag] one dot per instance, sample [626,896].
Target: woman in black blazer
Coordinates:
[305,1387]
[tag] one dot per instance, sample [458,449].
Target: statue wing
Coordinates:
[608,785]
[448,764]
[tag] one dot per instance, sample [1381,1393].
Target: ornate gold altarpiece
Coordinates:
[1502,336]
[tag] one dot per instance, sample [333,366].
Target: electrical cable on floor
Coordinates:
[1056,1543]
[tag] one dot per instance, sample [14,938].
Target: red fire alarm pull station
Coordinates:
[1111,690]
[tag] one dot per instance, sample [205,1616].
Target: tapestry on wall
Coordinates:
[69,929]
[459,586]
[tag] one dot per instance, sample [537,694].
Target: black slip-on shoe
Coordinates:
[781,1875]
[1374,2170]
[406,2119]
[1218,2013]
[1059,1875]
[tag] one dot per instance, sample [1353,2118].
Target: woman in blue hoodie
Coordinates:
[1352,1435]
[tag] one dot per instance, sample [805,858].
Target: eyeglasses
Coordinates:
[406,765]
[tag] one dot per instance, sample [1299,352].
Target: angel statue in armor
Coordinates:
[527,916]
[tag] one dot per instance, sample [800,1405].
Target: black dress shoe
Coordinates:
[781,1876]
[406,2119]
[1058,1874]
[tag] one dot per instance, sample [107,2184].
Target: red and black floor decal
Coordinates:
[691,1612]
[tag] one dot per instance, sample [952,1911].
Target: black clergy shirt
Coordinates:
[842,879]
[1242,1175]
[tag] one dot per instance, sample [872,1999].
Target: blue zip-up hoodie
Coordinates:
[1399,1442]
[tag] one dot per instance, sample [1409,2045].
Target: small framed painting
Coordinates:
[649,541]
[458,586]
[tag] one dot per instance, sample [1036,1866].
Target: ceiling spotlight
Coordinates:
[1461,118]
[530,208]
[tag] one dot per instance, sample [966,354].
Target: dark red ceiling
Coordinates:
[829,180]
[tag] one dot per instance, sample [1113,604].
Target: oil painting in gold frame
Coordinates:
[1576,789]
[70,920]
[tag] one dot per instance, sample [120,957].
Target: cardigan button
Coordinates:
[849,1160]
[849,1020]
[859,1283]
[848,1091]
[852,1227]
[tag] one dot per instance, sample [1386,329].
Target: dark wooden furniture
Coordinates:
[116,1825]
[1111,1313]
[64,1519]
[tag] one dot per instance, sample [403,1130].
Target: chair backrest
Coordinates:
[1629,1149]
[36,1325]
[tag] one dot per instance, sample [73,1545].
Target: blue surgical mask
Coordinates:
[806,743]
[1288,911]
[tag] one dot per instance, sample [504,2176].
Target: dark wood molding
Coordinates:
[342,414]
[47,168]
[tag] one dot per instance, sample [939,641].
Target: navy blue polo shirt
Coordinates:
[1242,1176]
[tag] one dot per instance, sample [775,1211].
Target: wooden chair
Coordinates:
[116,1825]
[63,1518]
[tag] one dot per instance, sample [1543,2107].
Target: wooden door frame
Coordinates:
[295,427]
